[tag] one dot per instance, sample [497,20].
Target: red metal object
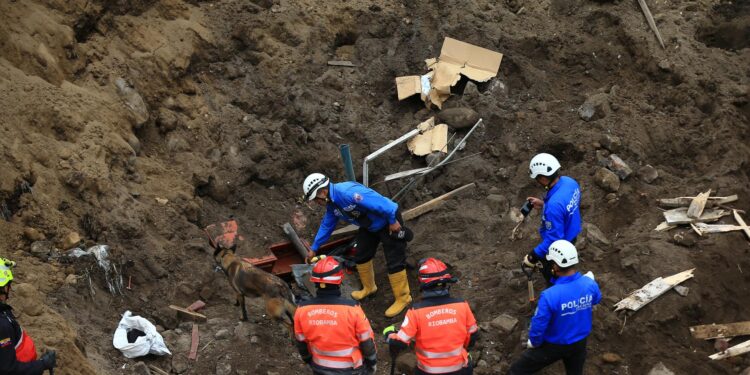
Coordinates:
[196,306]
[223,234]
[194,344]
[283,255]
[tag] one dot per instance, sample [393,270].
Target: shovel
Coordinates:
[529,273]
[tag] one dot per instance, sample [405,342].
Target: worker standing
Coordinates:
[443,328]
[333,334]
[17,350]
[379,220]
[561,216]
[562,320]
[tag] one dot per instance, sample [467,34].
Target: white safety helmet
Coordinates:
[543,164]
[563,253]
[313,183]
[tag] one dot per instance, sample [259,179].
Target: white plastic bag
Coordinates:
[151,343]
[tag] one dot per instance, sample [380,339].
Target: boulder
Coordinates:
[459,118]
[610,142]
[505,323]
[42,248]
[595,107]
[222,334]
[607,180]
[648,174]
[33,234]
[71,240]
[611,358]
[133,101]
[621,169]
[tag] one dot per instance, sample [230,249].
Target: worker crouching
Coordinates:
[333,334]
[443,328]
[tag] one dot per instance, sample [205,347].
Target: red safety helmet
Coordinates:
[432,272]
[327,270]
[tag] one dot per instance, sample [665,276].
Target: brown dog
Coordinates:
[248,280]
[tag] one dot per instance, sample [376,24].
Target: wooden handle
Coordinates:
[531,291]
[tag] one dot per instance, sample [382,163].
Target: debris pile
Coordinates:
[700,210]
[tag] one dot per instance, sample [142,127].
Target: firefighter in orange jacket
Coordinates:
[443,328]
[17,350]
[333,334]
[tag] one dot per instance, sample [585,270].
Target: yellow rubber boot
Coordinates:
[400,286]
[367,277]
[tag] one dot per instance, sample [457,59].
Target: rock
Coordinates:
[682,290]
[140,368]
[459,118]
[684,239]
[471,92]
[32,234]
[133,101]
[27,299]
[610,142]
[167,120]
[611,358]
[42,248]
[254,339]
[222,334]
[134,143]
[223,367]
[660,369]
[607,180]
[71,280]
[482,363]
[595,107]
[621,169]
[595,236]
[504,323]
[71,240]
[180,363]
[648,174]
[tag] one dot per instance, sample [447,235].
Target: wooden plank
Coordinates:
[194,343]
[739,219]
[736,350]
[696,230]
[157,370]
[716,331]
[679,216]
[718,228]
[414,212]
[695,210]
[641,297]
[663,227]
[685,201]
[196,306]
[345,63]
[651,23]
[187,314]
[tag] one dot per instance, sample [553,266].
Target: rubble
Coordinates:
[505,323]
[621,169]
[607,180]
[459,118]
[648,174]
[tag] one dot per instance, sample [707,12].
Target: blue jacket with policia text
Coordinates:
[561,217]
[356,204]
[564,313]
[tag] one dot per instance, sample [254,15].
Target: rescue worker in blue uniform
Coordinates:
[17,350]
[562,320]
[379,220]
[561,215]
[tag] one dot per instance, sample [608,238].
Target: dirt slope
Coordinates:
[222,107]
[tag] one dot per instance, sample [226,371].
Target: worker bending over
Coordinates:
[333,334]
[443,328]
[562,320]
[561,216]
[379,220]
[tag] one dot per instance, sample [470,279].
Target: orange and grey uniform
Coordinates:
[333,335]
[17,351]
[443,329]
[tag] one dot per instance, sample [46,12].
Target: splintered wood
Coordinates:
[720,331]
[651,291]
[733,351]
[696,211]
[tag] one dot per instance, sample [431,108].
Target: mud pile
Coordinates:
[135,124]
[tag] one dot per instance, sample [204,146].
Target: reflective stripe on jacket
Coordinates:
[441,328]
[333,328]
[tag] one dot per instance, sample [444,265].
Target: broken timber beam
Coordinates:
[719,228]
[194,343]
[685,201]
[663,227]
[415,212]
[720,331]
[679,216]
[651,22]
[740,221]
[345,63]
[649,292]
[187,314]
[738,349]
[695,210]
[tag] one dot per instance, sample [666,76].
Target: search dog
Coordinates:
[250,281]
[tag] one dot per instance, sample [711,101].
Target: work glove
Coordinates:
[49,359]
[388,330]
